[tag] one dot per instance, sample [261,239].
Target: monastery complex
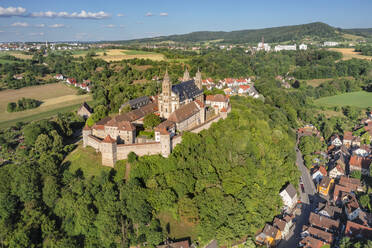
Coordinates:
[181,107]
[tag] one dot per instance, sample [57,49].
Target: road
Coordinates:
[310,194]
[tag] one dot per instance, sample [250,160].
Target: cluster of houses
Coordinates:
[261,46]
[280,227]
[233,86]
[285,81]
[85,85]
[20,46]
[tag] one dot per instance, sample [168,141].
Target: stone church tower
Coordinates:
[186,76]
[165,103]
[198,80]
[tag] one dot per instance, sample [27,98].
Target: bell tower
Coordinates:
[186,76]
[198,80]
[165,103]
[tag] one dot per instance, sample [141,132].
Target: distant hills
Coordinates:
[315,31]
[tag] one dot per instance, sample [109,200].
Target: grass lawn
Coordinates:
[177,228]
[348,53]
[4,61]
[89,162]
[360,99]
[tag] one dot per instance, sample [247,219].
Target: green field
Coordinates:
[360,99]
[136,52]
[39,116]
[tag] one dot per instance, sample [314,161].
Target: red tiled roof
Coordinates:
[338,189]
[323,222]
[244,87]
[108,139]
[310,242]
[353,229]
[184,112]
[348,135]
[223,110]
[323,170]
[180,244]
[86,127]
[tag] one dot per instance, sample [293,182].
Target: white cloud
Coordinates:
[82,15]
[20,24]
[40,25]
[57,26]
[122,26]
[148,14]
[163,14]
[109,26]
[12,11]
[120,14]
[36,34]
[1,31]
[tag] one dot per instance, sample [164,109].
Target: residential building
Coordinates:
[327,210]
[351,205]
[278,48]
[85,111]
[330,43]
[317,233]
[324,223]
[302,47]
[335,140]
[283,225]
[325,185]
[59,77]
[348,138]
[310,242]
[218,102]
[318,174]
[180,244]
[358,163]
[289,196]
[269,236]
[336,172]
[355,230]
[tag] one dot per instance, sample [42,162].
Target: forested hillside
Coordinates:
[315,30]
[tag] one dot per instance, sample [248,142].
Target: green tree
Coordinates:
[151,121]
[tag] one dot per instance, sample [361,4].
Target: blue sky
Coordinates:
[91,20]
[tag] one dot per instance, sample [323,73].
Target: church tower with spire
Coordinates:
[186,76]
[198,80]
[165,98]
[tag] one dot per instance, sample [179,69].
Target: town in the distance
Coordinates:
[259,136]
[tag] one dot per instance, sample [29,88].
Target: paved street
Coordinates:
[310,194]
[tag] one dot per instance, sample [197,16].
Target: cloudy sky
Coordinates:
[68,20]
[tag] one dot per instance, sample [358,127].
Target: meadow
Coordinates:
[120,54]
[316,82]
[54,97]
[348,53]
[360,99]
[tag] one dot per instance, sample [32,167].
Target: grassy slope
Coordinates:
[360,99]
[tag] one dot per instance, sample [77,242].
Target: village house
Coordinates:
[71,81]
[302,47]
[318,174]
[324,223]
[179,244]
[317,234]
[328,210]
[335,140]
[269,236]
[355,230]
[310,242]
[243,89]
[289,196]
[361,164]
[336,171]
[351,206]
[362,151]
[218,102]
[325,185]
[348,138]
[59,77]
[283,225]
[85,111]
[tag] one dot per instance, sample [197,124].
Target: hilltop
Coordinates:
[315,31]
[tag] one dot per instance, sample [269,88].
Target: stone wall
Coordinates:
[140,149]
[93,142]
[205,125]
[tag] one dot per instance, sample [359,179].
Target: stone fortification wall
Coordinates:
[140,149]
[93,142]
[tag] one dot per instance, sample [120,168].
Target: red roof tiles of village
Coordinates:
[323,222]
[244,87]
[354,229]
[86,127]
[348,135]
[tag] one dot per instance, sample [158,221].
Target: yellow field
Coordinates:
[316,82]
[120,54]
[348,53]
[53,96]
[20,55]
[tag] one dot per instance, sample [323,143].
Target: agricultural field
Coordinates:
[17,54]
[316,82]
[55,98]
[348,53]
[360,99]
[120,54]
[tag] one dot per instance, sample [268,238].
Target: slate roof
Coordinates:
[291,190]
[137,102]
[184,112]
[186,90]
